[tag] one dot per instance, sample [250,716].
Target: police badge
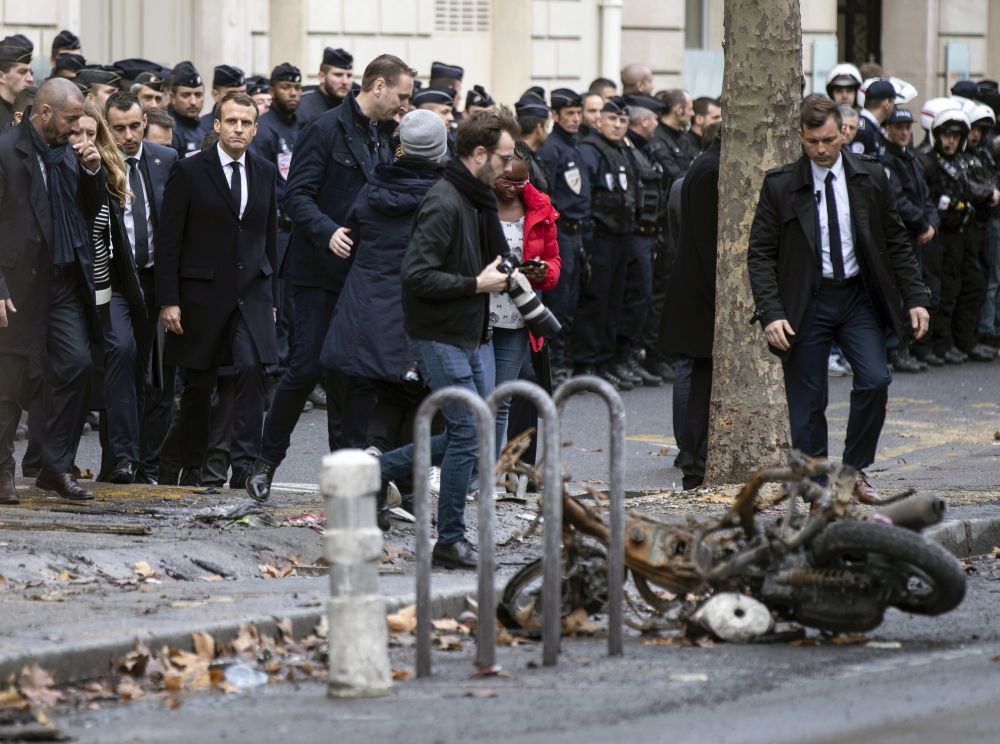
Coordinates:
[573,179]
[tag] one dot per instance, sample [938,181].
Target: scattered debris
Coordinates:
[884,644]
[315,522]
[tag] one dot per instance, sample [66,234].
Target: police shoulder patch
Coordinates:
[857,148]
[870,158]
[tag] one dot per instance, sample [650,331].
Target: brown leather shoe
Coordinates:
[63,484]
[865,492]
[8,494]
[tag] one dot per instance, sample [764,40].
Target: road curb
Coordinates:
[76,662]
[967,537]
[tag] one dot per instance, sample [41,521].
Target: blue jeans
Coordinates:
[565,296]
[443,365]
[989,316]
[503,358]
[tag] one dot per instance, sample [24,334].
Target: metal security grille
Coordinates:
[462,16]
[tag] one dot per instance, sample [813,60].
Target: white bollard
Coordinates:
[358,636]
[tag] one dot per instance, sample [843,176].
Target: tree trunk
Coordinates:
[748,418]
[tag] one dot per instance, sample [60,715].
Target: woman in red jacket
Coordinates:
[529,224]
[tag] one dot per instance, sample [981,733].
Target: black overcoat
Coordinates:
[213,264]
[783,257]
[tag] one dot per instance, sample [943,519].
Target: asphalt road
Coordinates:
[933,680]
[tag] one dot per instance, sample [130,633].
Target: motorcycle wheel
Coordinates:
[934,579]
[517,609]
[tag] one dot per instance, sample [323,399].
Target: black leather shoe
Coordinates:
[459,555]
[169,474]
[608,374]
[645,376]
[954,356]
[63,484]
[931,359]
[30,471]
[142,478]
[903,362]
[318,397]
[622,370]
[259,481]
[238,480]
[664,370]
[8,493]
[190,477]
[123,472]
[980,353]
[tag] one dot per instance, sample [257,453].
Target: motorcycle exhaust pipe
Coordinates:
[915,512]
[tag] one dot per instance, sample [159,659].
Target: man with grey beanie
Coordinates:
[366,338]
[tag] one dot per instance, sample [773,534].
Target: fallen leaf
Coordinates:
[675,640]
[173,682]
[11,699]
[204,646]
[3,583]
[129,689]
[284,626]
[449,625]
[172,703]
[448,643]
[404,620]
[144,570]
[851,639]
[401,675]
[803,642]
[663,452]
[210,577]
[65,575]
[491,671]
[35,683]
[577,622]
[996,552]
[135,662]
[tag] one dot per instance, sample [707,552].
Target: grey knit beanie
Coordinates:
[422,133]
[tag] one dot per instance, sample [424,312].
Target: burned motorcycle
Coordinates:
[823,563]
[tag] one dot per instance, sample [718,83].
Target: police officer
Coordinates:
[477,100]
[15,76]
[842,83]
[68,65]
[148,88]
[651,208]
[533,118]
[97,83]
[335,75]
[570,194]
[919,215]
[440,101]
[614,196]
[982,171]
[187,97]
[880,99]
[956,196]
[444,75]
[930,109]
[259,89]
[277,131]
[225,79]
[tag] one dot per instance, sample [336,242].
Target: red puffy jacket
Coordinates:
[540,240]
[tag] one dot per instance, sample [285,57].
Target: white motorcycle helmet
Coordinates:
[844,75]
[935,106]
[952,119]
[904,91]
[982,115]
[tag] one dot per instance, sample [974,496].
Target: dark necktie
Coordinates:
[141,246]
[236,188]
[833,224]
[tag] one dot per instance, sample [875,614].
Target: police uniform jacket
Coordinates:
[673,152]
[213,264]
[955,194]
[869,139]
[537,173]
[26,227]
[334,158]
[983,171]
[783,253]
[613,184]
[314,104]
[913,198]
[277,132]
[188,133]
[569,180]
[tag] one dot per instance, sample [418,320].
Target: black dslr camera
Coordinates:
[537,317]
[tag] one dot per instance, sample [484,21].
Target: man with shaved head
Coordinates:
[49,191]
[637,78]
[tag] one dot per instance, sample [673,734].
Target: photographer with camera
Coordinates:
[447,279]
[528,220]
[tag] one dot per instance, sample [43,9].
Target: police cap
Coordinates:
[535,90]
[228,76]
[449,72]
[151,79]
[880,90]
[257,84]
[615,105]
[479,97]
[64,40]
[20,40]
[339,58]
[434,94]
[899,116]
[965,89]
[286,73]
[70,62]
[563,97]
[13,52]
[531,105]
[987,88]
[186,75]
[132,67]
[647,102]
[98,75]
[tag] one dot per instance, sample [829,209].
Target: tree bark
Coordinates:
[748,417]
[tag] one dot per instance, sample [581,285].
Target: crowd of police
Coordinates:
[604,165]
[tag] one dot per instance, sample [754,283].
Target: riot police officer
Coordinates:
[335,75]
[187,97]
[614,195]
[570,194]
[277,131]
[842,83]
[651,208]
[956,196]
[533,118]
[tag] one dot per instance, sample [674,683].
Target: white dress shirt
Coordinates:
[129,217]
[843,214]
[227,170]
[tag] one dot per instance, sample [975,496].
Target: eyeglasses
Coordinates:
[507,159]
[511,184]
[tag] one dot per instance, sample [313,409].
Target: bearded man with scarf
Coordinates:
[48,191]
[448,273]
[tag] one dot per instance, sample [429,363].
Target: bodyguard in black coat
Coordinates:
[830,260]
[216,248]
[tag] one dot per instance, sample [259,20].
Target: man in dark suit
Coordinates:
[138,420]
[830,260]
[47,192]
[335,156]
[216,249]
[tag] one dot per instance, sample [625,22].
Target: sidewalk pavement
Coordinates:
[80,583]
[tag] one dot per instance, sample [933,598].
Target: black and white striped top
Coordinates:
[100,236]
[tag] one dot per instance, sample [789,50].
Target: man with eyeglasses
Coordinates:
[448,273]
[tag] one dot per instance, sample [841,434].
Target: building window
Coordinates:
[462,16]
[695,24]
